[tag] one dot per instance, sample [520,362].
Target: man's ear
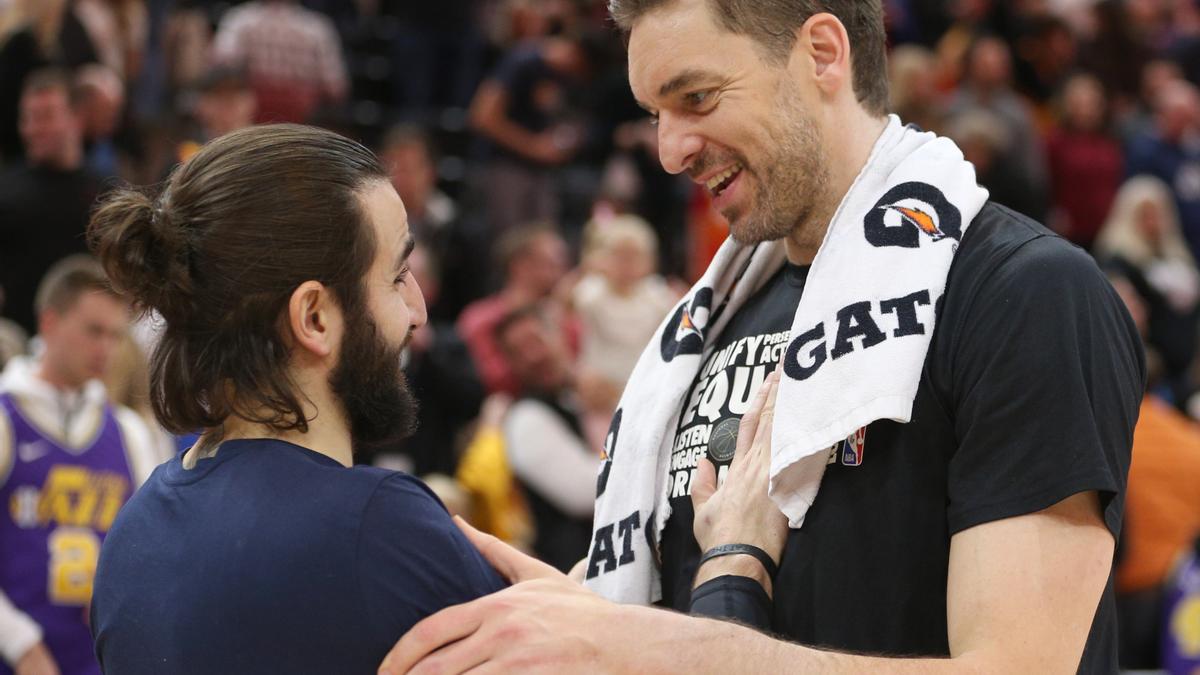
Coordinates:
[314,320]
[823,38]
[47,321]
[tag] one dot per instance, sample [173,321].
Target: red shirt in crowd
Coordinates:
[1085,173]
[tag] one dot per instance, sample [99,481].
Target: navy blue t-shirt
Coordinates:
[269,557]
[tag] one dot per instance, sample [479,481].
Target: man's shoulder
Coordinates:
[398,493]
[1002,245]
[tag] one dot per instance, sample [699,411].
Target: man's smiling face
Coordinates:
[731,118]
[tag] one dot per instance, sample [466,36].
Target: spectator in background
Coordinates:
[1085,161]
[13,340]
[988,86]
[1047,52]
[34,34]
[523,114]
[221,101]
[1180,653]
[1162,512]
[407,153]
[985,142]
[1171,153]
[1184,47]
[438,54]
[533,260]
[440,373]
[224,102]
[543,436]
[1142,238]
[45,202]
[1139,117]
[186,44]
[1119,48]
[498,505]
[119,30]
[620,302]
[101,105]
[70,441]
[968,18]
[913,76]
[291,55]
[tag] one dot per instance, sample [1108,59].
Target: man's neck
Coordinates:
[54,378]
[848,144]
[328,432]
[67,162]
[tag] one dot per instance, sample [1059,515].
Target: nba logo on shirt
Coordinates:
[852,448]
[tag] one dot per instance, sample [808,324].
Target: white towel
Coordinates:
[856,351]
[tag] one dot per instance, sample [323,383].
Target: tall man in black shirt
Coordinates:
[979,536]
[44,202]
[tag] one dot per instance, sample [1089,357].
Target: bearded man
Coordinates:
[277,257]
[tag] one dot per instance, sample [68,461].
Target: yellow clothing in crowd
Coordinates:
[499,507]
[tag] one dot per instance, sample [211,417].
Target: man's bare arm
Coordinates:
[1022,594]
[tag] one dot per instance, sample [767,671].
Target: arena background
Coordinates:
[531,178]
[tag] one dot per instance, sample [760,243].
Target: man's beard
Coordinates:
[791,184]
[370,385]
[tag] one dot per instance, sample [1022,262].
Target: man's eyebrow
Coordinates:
[409,245]
[687,78]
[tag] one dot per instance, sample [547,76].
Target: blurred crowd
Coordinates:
[552,243]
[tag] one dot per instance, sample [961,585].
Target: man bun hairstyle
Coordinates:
[773,24]
[151,261]
[218,253]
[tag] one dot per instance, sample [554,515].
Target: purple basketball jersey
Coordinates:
[1181,639]
[58,506]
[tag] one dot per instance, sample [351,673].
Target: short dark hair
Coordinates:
[53,77]
[407,135]
[222,79]
[519,241]
[773,24]
[68,280]
[218,254]
[514,317]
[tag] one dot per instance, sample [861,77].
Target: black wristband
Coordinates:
[741,549]
[733,597]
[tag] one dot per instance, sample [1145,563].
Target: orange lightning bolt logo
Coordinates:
[686,326]
[918,218]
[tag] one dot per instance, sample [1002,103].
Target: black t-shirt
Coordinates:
[21,55]
[1029,395]
[537,94]
[43,218]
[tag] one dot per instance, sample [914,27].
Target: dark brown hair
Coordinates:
[52,77]
[514,317]
[519,241]
[405,135]
[67,280]
[218,253]
[773,24]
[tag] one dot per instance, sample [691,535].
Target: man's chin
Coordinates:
[747,234]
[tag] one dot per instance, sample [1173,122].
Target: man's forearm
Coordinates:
[667,642]
[508,134]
